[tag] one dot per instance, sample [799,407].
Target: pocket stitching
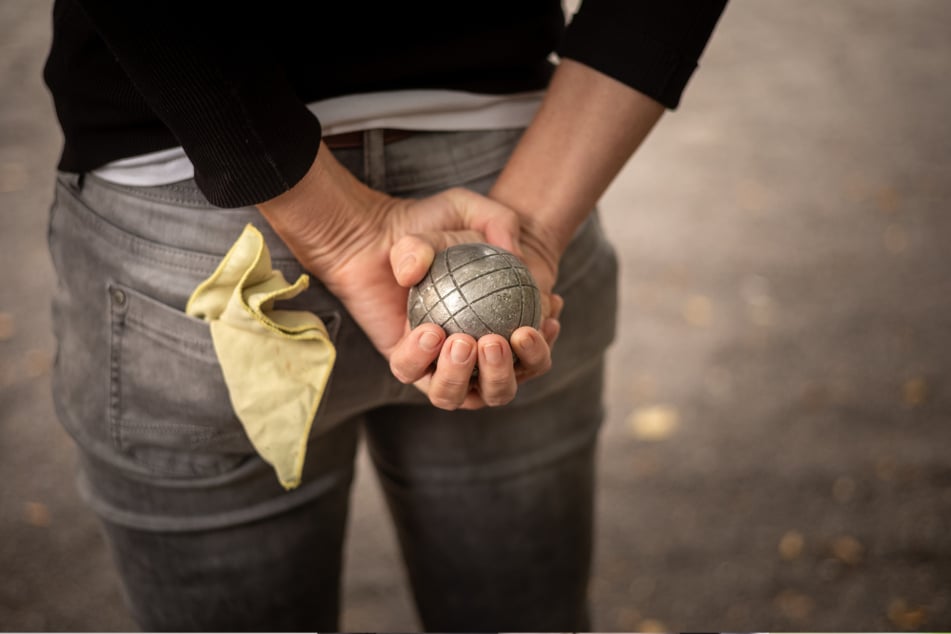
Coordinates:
[123,316]
[135,312]
[198,433]
[115,361]
[165,339]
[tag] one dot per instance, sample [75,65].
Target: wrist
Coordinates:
[539,216]
[327,216]
[586,129]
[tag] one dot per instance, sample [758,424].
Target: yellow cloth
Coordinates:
[275,362]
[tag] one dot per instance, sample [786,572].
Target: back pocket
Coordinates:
[169,409]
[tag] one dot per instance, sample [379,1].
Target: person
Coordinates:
[360,139]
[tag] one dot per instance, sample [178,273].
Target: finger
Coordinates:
[534,355]
[450,383]
[497,384]
[552,304]
[557,304]
[551,326]
[472,401]
[415,353]
[412,255]
[550,330]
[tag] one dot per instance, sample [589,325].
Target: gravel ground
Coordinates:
[776,450]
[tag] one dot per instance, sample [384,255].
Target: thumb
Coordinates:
[412,255]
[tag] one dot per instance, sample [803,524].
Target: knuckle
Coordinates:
[498,399]
[449,391]
[541,352]
[452,384]
[544,366]
[400,374]
[536,368]
[443,402]
[496,382]
[402,378]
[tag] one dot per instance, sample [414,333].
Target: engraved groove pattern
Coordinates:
[476,289]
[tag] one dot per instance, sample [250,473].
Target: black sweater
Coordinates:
[229,81]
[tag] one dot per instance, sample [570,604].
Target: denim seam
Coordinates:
[522,466]
[331,321]
[168,341]
[221,519]
[94,448]
[176,200]
[161,467]
[152,194]
[197,433]
[140,250]
[141,247]
[115,358]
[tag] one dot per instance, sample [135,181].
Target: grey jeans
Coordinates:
[493,508]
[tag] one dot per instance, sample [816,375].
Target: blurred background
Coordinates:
[776,453]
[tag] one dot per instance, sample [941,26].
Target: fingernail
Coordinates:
[493,353]
[527,342]
[405,264]
[429,341]
[460,351]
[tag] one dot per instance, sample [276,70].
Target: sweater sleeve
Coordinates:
[203,72]
[652,47]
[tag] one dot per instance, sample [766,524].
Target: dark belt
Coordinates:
[355,139]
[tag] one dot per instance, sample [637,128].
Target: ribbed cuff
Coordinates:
[257,150]
[651,47]
[643,65]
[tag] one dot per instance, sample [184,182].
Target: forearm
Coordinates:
[588,126]
[324,217]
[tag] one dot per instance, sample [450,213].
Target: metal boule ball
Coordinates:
[476,289]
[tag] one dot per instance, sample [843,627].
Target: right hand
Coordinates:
[448,383]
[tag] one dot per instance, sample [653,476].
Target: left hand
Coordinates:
[349,236]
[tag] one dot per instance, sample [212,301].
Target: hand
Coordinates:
[449,382]
[344,233]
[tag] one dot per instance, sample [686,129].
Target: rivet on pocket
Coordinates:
[118,297]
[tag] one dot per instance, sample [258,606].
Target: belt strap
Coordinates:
[355,139]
